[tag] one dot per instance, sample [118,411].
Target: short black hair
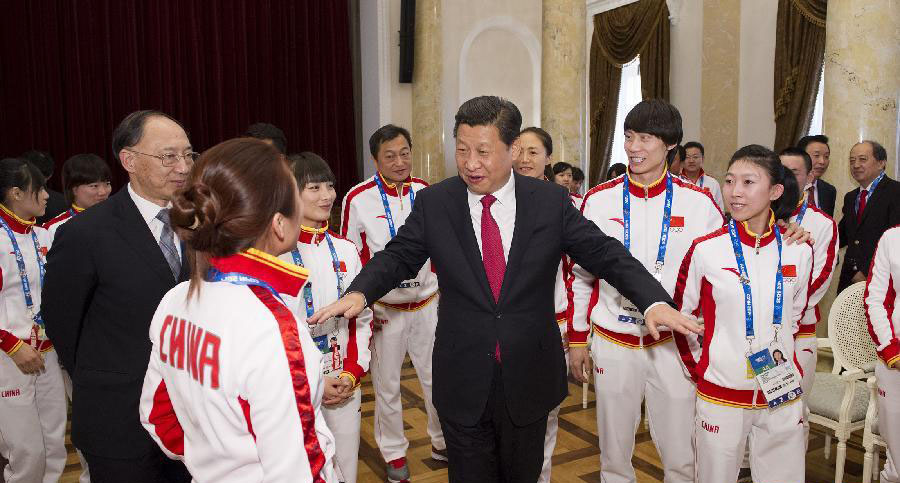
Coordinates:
[309,167]
[695,144]
[264,130]
[544,136]
[577,174]
[561,167]
[19,173]
[766,159]
[386,133]
[817,138]
[682,153]
[878,151]
[491,111]
[656,117]
[130,131]
[615,171]
[792,151]
[41,159]
[83,169]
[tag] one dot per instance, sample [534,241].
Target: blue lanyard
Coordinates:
[237,278]
[700,181]
[802,212]
[335,263]
[869,194]
[745,281]
[387,207]
[72,212]
[23,275]
[666,221]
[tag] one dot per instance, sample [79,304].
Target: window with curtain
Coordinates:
[629,96]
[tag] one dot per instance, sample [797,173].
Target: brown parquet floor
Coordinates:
[576,459]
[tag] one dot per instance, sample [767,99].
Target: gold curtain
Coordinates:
[621,34]
[799,51]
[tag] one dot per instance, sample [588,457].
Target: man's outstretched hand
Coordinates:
[663,314]
[348,306]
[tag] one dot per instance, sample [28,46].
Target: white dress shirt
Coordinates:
[503,210]
[149,210]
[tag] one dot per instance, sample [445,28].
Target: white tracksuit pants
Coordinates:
[777,450]
[623,377]
[32,422]
[404,332]
[343,420]
[805,349]
[550,436]
[889,418]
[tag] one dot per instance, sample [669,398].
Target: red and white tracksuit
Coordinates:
[407,314]
[824,231]
[629,365]
[234,386]
[730,405]
[712,184]
[51,227]
[884,326]
[32,406]
[344,343]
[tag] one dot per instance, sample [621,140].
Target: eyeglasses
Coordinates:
[391,157]
[171,159]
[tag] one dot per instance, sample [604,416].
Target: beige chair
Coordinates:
[871,436]
[838,400]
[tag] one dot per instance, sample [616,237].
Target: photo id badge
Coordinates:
[775,375]
[628,313]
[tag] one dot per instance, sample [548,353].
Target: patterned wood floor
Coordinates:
[575,459]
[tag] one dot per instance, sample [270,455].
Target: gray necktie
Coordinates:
[167,243]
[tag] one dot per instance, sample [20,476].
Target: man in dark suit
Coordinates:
[106,273]
[868,210]
[495,238]
[820,193]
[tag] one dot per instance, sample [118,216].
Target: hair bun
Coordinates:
[193,213]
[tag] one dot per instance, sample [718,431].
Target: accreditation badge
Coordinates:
[628,312]
[777,378]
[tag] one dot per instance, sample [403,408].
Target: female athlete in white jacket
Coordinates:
[333,262]
[752,290]
[233,386]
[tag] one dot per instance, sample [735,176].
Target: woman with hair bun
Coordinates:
[745,368]
[233,387]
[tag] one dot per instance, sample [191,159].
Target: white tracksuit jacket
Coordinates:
[881,296]
[824,231]
[59,220]
[712,184]
[709,283]
[597,303]
[233,387]
[364,222]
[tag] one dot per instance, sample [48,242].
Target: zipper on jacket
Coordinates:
[756,245]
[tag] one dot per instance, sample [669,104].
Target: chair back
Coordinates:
[848,330]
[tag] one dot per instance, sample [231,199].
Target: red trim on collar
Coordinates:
[695,181]
[312,235]
[749,238]
[15,223]
[283,277]
[653,189]
[391,189]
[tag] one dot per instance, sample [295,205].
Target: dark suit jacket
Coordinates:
[105,277]
[882,212]
[827,196]
[56,204]
[470,322]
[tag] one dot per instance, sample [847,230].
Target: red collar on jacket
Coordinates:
[15,223]
[749,238]
[695,181]
[653,189]
[312,235]
[391,188]
[284,277]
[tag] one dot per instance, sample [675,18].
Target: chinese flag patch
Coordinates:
[676,222]
[789,270]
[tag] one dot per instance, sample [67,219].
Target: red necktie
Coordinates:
[811,196]
[492,253]
[492,248]
[859,211]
